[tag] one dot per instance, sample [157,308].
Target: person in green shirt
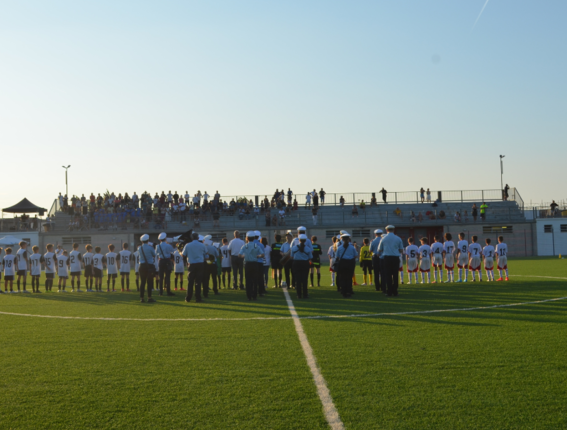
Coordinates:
[483,208]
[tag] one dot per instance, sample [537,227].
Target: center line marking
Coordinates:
[329,409]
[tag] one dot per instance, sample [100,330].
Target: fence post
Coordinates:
[482,193]
[396,197]
[353,199]
[461,196]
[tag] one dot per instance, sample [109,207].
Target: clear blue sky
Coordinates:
[248,96]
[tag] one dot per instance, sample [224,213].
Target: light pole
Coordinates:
[66,184]
[502,172]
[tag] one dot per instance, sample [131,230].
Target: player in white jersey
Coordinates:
[50,262]
[59,251]
[63,270]
[226,265]
[401,269]
[425,260]
[111,268]
[9,269]
[179,268]
[156,273]
[124,258]
[137,269]
[437,258]
[488,256]
[475,253]
[35,261]
[75,260]
[89,270]
[412,253]
[97,269]
[331,254]
[22,264]
[462,257]
[502,257]
[449,257]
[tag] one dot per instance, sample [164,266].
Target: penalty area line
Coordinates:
[329,409]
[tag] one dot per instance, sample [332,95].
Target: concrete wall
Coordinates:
[551,243]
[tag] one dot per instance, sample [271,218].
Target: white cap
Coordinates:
[301,228]
[302,237]
[378,231]
[162,236]
[208,237]
[257,233]
[201,238]
[145,238]
[343,232]
[251,234]
[390,227]
[345,235]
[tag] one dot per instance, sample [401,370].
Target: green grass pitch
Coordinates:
[493,368]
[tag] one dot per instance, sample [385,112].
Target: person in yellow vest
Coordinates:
[366,262]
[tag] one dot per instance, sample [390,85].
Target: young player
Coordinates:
[35,261]
[9,270]
[331,254]
[475,253]
[365,262]
[316,260]
[22,264]
[156,273]
[488,256]
[226,264]
[412,252]
[437,253]
[401,267]
[137,269]
[63,271]
[124,258]
[50,262]
[425,260]
[111,268]
[179,262]
[97,269]
[502,257]
[462,257]
[275,258]
[449,257]
[75,260]
[89,270]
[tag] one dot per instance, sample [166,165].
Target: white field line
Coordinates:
[305,317]
[329,409]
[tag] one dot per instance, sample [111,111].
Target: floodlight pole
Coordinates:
[66,182]
[502,172]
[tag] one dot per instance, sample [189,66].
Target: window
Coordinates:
[563,228]
[218,237]
[69,240]
[329,234]
[548,228]
[498,229]
[361,233]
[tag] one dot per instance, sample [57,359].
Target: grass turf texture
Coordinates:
[494,368]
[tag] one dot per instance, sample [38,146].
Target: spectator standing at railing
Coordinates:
[474,212]
[308,200]
[553,206]
[342,201]
[322,194]
[483,208]
[428,196]
[384,194]
[315,199]
[422,195]
[505,194]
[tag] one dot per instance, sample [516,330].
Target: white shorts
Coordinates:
[449,261]
[475,264]
[488,263]
[437,260]
[412,265]
[463,261]
[503,262]
[425,265]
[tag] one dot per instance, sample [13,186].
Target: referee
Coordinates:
[165,253]
[390,247]
[146,254]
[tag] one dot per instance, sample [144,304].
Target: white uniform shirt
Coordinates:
[22,259]
[475,250]
[412,251]
[125,257]
[49,259]
[331,252]
[97,261]
[35,263]
[75,261]
[9,265]
[437,248]
[449,247]
[235,246]
[424,251]
[267,257]
[225,256]
[88,258]
[502,250]
[62,261]
[463,246]
[178,261]
[488,251]
[111,267]
[136,262]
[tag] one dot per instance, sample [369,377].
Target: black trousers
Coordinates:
[261,284]
[252,280]
[288,272]
[377,272]
[346,270]
[146,278]
[301,273]
[210,272]
[391,269]
[164,276]
[194,280]
[238,269]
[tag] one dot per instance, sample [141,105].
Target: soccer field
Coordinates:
[494,356]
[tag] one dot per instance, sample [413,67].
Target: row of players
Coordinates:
[434,257]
